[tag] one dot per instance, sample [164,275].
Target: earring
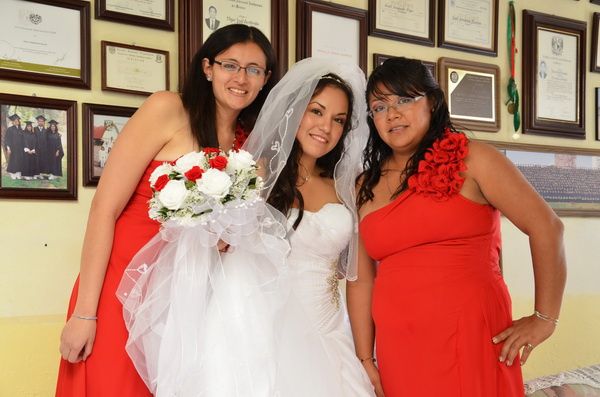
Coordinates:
[209,78]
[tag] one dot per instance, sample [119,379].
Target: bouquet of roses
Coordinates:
[198,182]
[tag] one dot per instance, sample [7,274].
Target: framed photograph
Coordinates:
[473,93]
[553,75]
[197,17]
[322,26]
[410,20]
[159,14]
[39,144]
[46,41]
[568,179]
[378,59]
[595,58]
[101,127]
[469,25]
[133,69]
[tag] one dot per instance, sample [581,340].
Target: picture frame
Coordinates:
[567,178]
[101,127]
[595,50]
[46,42]
[321,26]
[595,2]
[192,23]
[39,160]
[597,113]
[465,27]
[553,75]
[157,14]
[412,21]
[133,69]
[378,59]
[472,92]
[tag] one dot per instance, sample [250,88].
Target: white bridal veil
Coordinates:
[203,323]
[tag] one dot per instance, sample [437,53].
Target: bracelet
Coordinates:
[91,318]
[362,360]
[545,318]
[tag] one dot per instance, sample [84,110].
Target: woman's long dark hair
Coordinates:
[285,191]
[197,94]
[408,78]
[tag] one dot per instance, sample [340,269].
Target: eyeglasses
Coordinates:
[380,109]
[233,67]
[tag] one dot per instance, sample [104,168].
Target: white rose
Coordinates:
[239,160]
[163,169]
[173,194]
[214,183]
[187,161]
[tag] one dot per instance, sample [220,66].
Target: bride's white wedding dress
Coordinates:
[316,340]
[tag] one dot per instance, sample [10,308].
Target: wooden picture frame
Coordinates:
[553,75]
[595,50]
[191,27]
[413,23]
[378,59]
[567,178]
[101,126]
[466,28]
[133,69]
[595,2]
[38,163]
[46,42]
[161,17]
[307,10]
[472,92]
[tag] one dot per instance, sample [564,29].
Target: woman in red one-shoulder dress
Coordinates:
[430,202]
[229,79]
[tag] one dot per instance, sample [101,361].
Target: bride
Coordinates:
[262,319]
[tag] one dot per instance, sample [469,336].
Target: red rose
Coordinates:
[161,182]
[194,173]
[218,162]
[210,150]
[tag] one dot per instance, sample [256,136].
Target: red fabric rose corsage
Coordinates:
[438,174]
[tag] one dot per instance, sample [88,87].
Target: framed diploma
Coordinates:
[199,18]
[133,69]
[159,14]
[46,41]
[39,145]
[101,127]
[469,25]
[408,20]
[553,75]
[473,93]
[595,58]
[378,59]
[321,27]
[568,179]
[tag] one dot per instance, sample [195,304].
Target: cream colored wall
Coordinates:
[40,241]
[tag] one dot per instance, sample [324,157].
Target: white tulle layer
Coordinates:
[200,322]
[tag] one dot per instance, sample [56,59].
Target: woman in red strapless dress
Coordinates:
[430,199]
[94,361]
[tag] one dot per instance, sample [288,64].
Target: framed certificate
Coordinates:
[378,59]
[553,75]
[159,14]
[321,27]
[133,69]
[199,18]
[567,178]
[101,127]
[595,58]
[473,93]
[46,41]
[409,20]
[39,145]
[469,25]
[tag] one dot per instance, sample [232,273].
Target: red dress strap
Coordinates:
[438,175]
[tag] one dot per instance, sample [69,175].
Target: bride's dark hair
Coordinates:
[285,191]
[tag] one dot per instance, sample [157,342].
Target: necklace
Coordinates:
[387,181]
[304,178]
